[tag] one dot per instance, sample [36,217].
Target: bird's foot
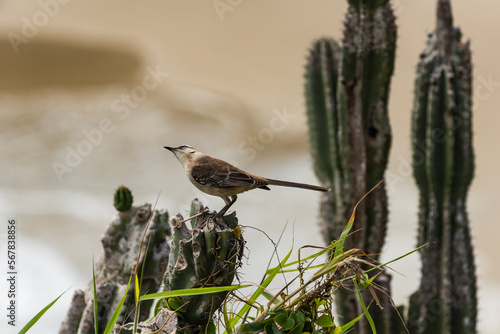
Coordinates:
[217,215]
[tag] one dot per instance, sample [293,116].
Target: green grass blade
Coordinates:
[365,310]
[227,321]
[296,270]
[272,297]
[351,323]
[347,229]
[39,315]
[137,293]
[113,319]
[275,252]
[137,289]
[191,292]
[396,259]
[95,295]
[310,257]
[137,283]
[332,263]
[275,271]
[340,245]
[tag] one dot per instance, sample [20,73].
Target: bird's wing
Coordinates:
[226,177]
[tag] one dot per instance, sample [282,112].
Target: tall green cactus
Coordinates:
[443,168]
[205,256]
[347,91]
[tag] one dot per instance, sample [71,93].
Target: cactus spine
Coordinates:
[443,168]
[347,91]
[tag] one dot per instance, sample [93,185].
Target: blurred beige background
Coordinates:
[134,76]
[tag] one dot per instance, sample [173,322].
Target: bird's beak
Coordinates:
[171,149]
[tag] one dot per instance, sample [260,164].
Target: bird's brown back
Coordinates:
[218,173]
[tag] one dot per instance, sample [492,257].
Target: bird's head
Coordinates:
[184,153]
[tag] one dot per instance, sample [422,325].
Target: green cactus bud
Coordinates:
[123,199]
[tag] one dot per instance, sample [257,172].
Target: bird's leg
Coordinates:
[228,202]
[194,216]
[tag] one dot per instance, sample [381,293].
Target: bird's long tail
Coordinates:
[295,185]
